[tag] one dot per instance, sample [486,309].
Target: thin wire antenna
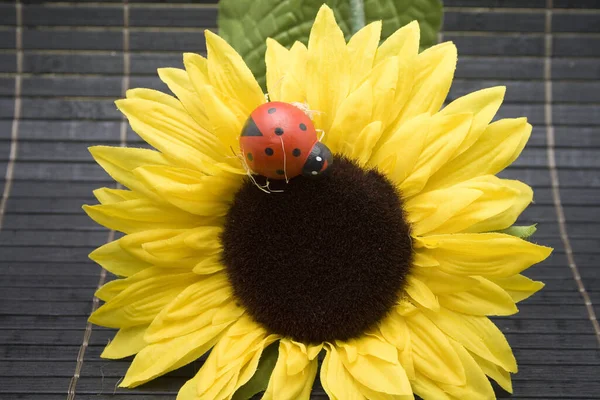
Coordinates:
[277,86]
[322,134]
[249,172]
[284,161]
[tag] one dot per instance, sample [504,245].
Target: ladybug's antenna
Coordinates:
[284,161]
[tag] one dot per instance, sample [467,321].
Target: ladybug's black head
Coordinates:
[319,159]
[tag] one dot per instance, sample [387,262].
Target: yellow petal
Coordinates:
[362,48]
[353,115]
[159,358]
[120,162]
[194,308]
[200,241]
[180,84]
[477,386]
[360,148]
[421,293]
[209,265]
[277,59]
[484,298]
[479,335]
[135,244]
[499,145]
[127,342]
[229,74]
[434,70]
[444,136]
[384,80]
[404,147]
[293,375]
[375,366]
[233,361]
[483,105]
[110,195]
[440,282]
[519,287]
[143,296]
[208,195]
[495,372]
[336,380]
[226,120]
[114,259]
[196,67]
[155,96]
[425,213]
[396,332]
[132,216]
[433,355]
[327,68]
[173,132]
[403,43]
[486,254]
[428,389]
[482,204]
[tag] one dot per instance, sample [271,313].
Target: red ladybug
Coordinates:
[279,141]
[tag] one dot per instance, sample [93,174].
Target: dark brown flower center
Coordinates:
[324,260]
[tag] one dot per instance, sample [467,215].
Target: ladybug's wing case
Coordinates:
[277,140]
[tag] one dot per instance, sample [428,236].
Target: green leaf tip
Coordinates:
[522,232]
[260,380]
[246,24]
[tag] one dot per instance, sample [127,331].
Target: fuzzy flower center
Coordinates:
[324,260]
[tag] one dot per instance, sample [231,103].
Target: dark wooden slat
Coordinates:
[41,189]
[576,46]
[19,307]
[495,3]
[191,17]
[105,86]
[484,21]
[51,238]
[69,109]
[167,41]
[53,294]
[575,68]
[569,22]
[506,45]
[62,171]
[70,39]
[475,67]
[54,222]
[73,63]
[23,205]
[7,38]
[8,62]
[74,16]
[92,132]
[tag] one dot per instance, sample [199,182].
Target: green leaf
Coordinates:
[246,24]
[259,382]
[522,232]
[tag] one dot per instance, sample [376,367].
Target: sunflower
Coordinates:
[386,269]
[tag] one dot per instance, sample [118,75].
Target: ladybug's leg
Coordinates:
[272,190]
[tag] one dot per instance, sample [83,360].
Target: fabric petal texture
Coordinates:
[379,108]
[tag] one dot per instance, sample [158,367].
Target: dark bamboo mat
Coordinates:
[63,64]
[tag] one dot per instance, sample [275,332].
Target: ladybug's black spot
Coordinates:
[296,153]
[271,110]
[249,155]
[269,151]
[278,131]
[326,259]
[280,172]
[302,127]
